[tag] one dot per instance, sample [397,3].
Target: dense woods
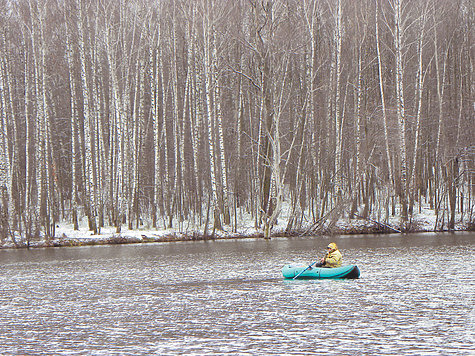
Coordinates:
[198,112]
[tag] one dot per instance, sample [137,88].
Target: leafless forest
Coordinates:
[165,111]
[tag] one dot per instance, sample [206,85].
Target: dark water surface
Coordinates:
[415,297]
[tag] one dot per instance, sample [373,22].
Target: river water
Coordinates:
[415,297]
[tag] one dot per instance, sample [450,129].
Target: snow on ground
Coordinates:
[423,219]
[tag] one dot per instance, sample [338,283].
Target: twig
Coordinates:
[379,223]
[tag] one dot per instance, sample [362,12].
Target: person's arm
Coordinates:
[331,260]
[322,261]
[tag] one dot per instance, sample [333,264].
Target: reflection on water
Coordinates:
[414,297]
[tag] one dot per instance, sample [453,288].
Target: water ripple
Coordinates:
[138,303]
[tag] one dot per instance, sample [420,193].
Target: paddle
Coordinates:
[305,269]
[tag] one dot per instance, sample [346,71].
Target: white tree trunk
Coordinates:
[154,68]
[219,124]
[398,33]
[5,163]
[338,118]
[418,99]
[100,160]
[28,129]
[167,139]
[208,74]
[175,190]
[440,87]
[277,176]
[88,125]
[196,119]
[383,105]
[72,90]
[41,164]
[309,118]
[117,134]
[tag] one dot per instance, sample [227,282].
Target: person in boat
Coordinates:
[332,257]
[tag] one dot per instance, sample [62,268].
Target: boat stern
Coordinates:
[353,273]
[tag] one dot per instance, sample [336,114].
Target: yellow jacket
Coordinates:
[333,259]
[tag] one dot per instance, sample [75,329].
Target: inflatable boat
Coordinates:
[293,270]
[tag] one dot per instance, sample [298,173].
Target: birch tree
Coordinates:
[74,120]
[383,106]
[208,77]
[219,124]
[398,44]
[117,133]
[5,162]
[338,119]
[41,157]
[311,13]
[159,114]
[418,101]
[155,62]
[89,124]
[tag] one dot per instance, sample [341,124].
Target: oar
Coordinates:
[310,265]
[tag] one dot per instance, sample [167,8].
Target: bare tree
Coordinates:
[176,113]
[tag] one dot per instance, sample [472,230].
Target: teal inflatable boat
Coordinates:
[292,270]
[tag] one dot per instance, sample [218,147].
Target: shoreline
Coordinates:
[142,237]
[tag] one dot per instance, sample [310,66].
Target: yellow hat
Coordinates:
[333,246]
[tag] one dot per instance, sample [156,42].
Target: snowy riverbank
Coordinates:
[65,235]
